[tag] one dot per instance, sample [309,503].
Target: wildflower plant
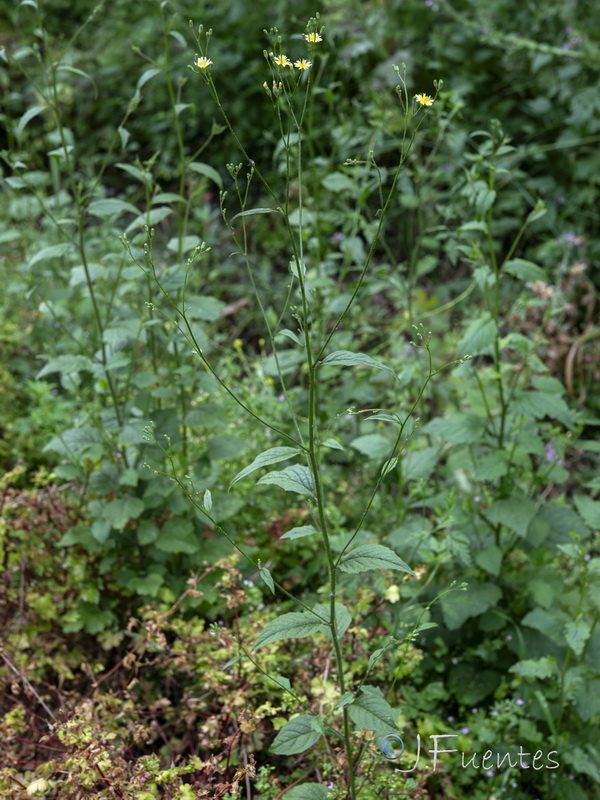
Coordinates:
[307,437]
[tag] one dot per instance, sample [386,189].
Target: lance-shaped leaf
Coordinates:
[372,556]
[299,532]
[288,626]
[347,358]
[296,736]
[271,456]
[293,479]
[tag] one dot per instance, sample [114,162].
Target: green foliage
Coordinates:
[392,258]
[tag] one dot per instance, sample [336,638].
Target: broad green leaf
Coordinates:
[339,182]
[419,464]
[372,445]
[266,576]
[587,699]
[347,358]
[53,251]
[589,510]
[207,171]
[293,479]
[332,444]
[27,117]
[525,270]
[490,559]
[371,711]
[271,456]
[296,736]
[535,667]
[66,365]
[307,791]
[577,632]
[458,428]
[225,446]
[147,585]
[515,513]
[204,308]
[111,206]
[550,623]
[491,467]
[479,337]
[177,536]
[541,404]
[457,607]
[299,532]
[187,243]
[372,556]
[288,626]
[343,618]
[153,217]
[119,512]
[252,211]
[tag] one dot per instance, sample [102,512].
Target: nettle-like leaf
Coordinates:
[372,556]
[458,428]
[293,479]
[515,513]
[536,667]
[347,358]
[297,735]
[308,791]
[372,712]
[288,626]
[271,456]
[343,618]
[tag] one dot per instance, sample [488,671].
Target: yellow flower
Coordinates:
[237,345]
[302,63]
[282,61]
[424,99]
[392,593]
[203,62]
[313,37]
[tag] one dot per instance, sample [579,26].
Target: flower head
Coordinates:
[302,63]
[203,62]
[313,37]
[282,61]
[424,99]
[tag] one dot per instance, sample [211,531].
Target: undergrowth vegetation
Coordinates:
[299,401]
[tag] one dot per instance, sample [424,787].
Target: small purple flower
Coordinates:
[465,730]
[587,557]
[520,702]
[474,710]
[494,713]
[508,637]
[54,391]
[569,30]
[281,398]
[476,499]
[489,773]
[450,719]
[337,236]
[484,32]
[551,454]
